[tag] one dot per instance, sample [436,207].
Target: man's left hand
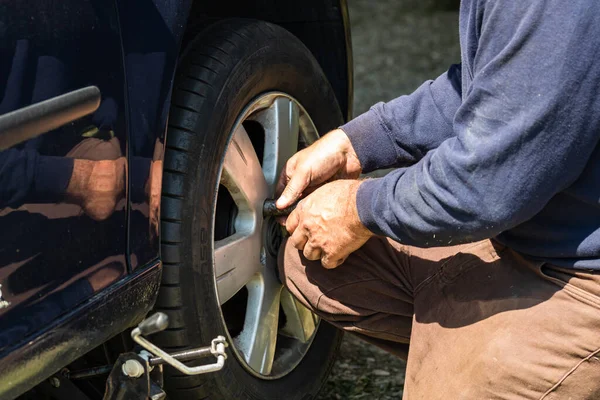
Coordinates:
[325,225]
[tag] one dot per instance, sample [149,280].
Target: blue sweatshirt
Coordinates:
[504,145]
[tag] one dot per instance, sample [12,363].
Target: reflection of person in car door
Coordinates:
[92,175]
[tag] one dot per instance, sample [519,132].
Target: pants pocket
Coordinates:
[582,382]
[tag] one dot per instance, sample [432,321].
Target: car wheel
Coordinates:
[247,96]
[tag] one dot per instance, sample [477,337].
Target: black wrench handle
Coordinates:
[271,210]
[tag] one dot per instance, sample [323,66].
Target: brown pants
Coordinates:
[475,321]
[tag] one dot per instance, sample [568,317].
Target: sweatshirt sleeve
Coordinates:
[402,131]
[528,125]
[26,176]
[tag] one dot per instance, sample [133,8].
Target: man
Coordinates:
[478,257]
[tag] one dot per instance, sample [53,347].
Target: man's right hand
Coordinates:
[331,157]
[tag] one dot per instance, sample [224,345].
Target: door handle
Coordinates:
[26,123]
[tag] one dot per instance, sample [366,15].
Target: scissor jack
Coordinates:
[139,375]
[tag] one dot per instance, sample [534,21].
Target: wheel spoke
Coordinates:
[259,336]
[300,321]
[281,125]
[237,261]
[242,173]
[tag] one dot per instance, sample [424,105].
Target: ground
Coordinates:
[398,44]
[363,371]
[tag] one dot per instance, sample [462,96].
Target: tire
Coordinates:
[222,70]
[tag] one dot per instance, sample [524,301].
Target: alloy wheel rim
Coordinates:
[277,330]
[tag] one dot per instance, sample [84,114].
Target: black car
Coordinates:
[139,140]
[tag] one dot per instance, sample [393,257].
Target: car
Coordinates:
[139,140]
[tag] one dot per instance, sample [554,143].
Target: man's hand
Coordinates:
[331,157]
[326,226]
[97,186]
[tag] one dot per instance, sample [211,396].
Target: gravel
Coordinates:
[363,371]
[397,45]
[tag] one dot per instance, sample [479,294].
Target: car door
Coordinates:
[63,207]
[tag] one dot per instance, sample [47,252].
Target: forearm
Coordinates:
[26,176]
[458,195]
[402,131]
